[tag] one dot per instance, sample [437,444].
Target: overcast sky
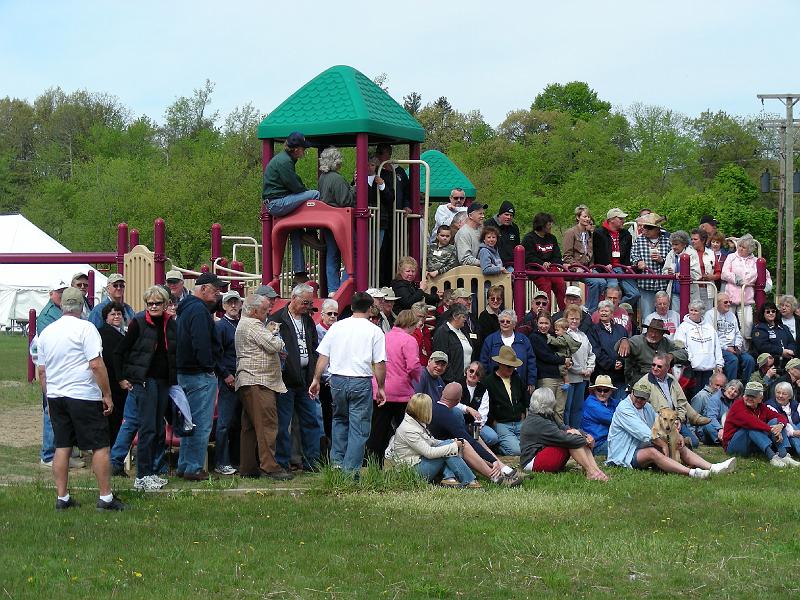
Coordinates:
[687,55]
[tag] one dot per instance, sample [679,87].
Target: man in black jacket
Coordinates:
[506,411]
[612,245]
[197,351]
[299,333]
[509,232]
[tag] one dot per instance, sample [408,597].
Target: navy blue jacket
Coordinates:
[795,418]
[762,342]
[603,344]
[226,333]
[547,361]
[428,385]
[198,347]
[448,424]
[522,348]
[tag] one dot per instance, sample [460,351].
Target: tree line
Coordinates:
[78,163]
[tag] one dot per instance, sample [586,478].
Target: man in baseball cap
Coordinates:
[283,191]
[468,237]
[115,289]
[430,381]
[176,285]
[612,244]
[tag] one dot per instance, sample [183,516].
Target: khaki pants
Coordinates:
[259,430]
[561,396]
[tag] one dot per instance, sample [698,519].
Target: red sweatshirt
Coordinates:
[741,417]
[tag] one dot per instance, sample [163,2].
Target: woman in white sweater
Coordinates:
[415,446]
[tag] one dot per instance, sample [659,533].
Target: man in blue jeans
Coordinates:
[355,350]
[197,352]
[283,191]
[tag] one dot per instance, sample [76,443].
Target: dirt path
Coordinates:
[20,426]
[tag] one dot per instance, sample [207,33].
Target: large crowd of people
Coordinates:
[407,376]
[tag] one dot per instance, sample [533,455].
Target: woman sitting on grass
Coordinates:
[431,458]
[546,446]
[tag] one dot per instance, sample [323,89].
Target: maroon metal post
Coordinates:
[761,281]
[122,247]
[58,258]
[685,281]
[518,279]
[267,152]
[90,291]
[216,241]
[237,284]
[362,213]
[413,183]
[134,237]
[31,333]
[159,256]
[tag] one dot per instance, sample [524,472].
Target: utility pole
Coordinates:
[789,101]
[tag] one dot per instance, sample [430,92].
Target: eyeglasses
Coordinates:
[118,285]
[458,197]
[657,366]
[81,285]
[769,310]
[602,390]
[505,322]
[154,304]
[495,298]
[541,303]
[331,314]
[472,371]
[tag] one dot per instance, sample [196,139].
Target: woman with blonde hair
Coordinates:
[406,287]
[431,458]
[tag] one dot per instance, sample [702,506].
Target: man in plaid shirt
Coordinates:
[648,252]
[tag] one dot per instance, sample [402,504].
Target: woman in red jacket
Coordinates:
[752,427]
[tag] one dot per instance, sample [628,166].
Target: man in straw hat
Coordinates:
[631,443]
[598,410]
[508,400]
[649,251]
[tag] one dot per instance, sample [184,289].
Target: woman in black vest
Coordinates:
[145,358]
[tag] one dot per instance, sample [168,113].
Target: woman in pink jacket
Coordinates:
[739,275]
[402,372]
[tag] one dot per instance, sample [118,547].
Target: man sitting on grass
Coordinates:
[447,422]
[631,443]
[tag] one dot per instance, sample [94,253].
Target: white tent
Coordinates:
[23,287]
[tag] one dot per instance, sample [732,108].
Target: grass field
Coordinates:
[641,535]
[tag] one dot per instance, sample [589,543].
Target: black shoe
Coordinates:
[114,504]
[65,504]
[282,475]
[118,471]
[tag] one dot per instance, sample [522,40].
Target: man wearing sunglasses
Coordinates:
[445,212]
[598,410]
[648,253]
[116,293]
[81,282]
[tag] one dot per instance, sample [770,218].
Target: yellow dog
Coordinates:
[667,428]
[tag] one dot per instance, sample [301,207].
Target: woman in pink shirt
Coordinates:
[402,372]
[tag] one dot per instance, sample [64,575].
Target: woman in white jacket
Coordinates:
[702,345]
[582,368]
[415,446]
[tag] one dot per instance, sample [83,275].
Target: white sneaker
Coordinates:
[790,462]
[46,463]
[777,461]
[147,484]
[728,466]
[699,473]
[161,481]
[225,470]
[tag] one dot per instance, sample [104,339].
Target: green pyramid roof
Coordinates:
[445,176]
[337,104]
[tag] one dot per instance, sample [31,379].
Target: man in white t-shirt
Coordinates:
[445,212]
[354,350]
[73,377]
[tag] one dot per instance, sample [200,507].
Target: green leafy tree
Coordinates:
[575,98]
